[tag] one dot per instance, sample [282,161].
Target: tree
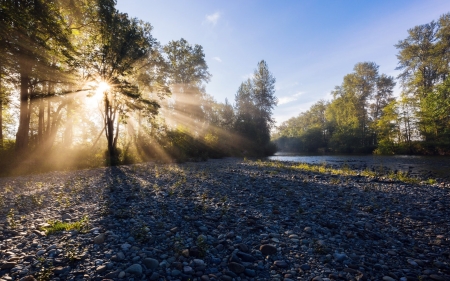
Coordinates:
[254,102]
[188,71]
[117,50]
[264,100]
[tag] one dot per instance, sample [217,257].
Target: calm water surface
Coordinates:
[431,166]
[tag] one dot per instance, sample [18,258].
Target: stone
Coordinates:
[121,274]
[125,246]
[99,239]
[134,269]
[246,257]
[150,263]
[250,272]
[60,270]
[388,278]
[268,249]
[236,267]
[188,270]
[66,217]
[437,277]
[305,267]
[100,269]
[281,264]
[154,276]
[8,265]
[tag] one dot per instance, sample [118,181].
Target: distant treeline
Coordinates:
[363,116]
[83,85]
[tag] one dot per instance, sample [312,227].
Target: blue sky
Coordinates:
[309,45]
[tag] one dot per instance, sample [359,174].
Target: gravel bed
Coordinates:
[223,219]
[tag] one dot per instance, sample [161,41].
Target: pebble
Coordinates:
[223,220]
[134,269]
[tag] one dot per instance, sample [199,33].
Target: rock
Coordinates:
[65,217]
[100,269]
[268,249]
[246,257]
[8,265]
[388,278]
[188,270]
[154,276]
[250,272]
[150,263]
[317,278]
[339,257]
[60,270]
[185,253]
[175,273]
[305,267]
[236,267]
[307,229]
[121,274]
[100,239]
[438,277]
[281,264]
[134,269]
[125,246]
[27,278]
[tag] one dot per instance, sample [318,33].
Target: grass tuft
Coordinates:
[58,226]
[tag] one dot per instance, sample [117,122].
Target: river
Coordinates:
[423,166]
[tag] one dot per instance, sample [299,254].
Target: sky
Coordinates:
[309,46]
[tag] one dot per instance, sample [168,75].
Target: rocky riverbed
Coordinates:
[222,220]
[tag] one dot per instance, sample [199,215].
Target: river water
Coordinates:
[423,166]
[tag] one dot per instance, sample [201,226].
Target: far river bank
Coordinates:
[436,167]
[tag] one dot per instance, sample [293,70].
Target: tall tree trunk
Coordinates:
[68,132]
[24,112]
[1,118]
[109,131]
[41,121]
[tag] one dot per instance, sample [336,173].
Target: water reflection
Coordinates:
[424,166]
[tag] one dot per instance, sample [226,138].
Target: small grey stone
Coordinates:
[175,273]
[250,272]
[100,239]
[281,264]
[305,267]
[154,276]
[150,263]
[121,274]
[236,267]
[8,265]
[134,269]
[100,269]
[268,249]
[66,217]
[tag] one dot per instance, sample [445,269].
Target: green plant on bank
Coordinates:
[431,181]
[10,217]
[202,246]
[141,232]
[335,181]
[58,226]
[45,269]
[345,170]
[71,252]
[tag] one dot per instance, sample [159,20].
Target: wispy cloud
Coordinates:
[213,18]
[288,99]
[217,59]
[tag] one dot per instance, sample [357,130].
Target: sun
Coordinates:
[102,87]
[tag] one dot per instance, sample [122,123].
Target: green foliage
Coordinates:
[58,226]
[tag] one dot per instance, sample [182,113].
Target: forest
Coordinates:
[84,85]
[364,116]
